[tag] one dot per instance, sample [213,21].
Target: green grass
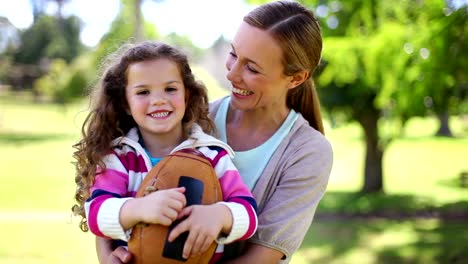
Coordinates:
[420,174]
[384,241]
[45,240]
[415,164]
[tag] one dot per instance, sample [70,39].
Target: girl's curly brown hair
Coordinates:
[108,118]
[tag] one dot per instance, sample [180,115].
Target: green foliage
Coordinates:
[412,59]
[50,37]
[121,31]
[76,86]
[186,44]
[5,66]
[343,59]
[385,59]
[50,84]
[446,65]
[65,83]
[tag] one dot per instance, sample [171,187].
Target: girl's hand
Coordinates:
[159,207]
[204,223]
[162,207]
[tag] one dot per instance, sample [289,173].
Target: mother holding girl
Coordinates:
[272,121]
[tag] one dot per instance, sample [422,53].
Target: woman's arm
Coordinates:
[258,254]
[105,254]
[293,183]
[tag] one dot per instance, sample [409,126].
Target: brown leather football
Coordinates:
[147,241]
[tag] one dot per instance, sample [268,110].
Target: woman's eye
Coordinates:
[231,53]
[251,69]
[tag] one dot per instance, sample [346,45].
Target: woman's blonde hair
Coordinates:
[298,33]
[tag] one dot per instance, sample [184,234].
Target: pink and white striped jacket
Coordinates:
[128,164]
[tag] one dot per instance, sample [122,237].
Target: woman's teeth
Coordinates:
[241,91]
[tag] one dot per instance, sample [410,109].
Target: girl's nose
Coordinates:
[158,98]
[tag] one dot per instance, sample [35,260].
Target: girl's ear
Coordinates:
[298,78]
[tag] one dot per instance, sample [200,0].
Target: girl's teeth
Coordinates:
[160,114]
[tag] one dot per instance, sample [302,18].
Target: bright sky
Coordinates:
[202,20]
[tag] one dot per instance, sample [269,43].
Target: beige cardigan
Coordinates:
[290,187]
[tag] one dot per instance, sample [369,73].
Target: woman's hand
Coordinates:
[105,254]
[204,223]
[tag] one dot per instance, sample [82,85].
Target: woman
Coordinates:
[272,120]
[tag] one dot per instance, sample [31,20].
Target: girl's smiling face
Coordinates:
[155,94]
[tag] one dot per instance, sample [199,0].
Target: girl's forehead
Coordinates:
[154,71]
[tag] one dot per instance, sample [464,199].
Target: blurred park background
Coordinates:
[393,86]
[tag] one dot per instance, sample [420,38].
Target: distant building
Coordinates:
[9,34]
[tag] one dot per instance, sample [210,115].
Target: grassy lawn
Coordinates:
[421,173]
[384,241]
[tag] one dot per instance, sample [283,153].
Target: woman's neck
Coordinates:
[248,129]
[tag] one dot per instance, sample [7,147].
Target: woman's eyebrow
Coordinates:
[247,59]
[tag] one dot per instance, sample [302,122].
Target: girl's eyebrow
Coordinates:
[171,82]
[248,60]
[144,85]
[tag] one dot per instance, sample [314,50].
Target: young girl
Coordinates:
[148,105]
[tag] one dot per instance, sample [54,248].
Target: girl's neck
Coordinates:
[161,145]
[247,129]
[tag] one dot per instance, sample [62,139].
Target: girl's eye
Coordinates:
[142,92]
[171,89]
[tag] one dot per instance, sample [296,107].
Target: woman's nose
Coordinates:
[233,73]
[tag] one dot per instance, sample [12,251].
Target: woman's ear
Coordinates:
[298,78]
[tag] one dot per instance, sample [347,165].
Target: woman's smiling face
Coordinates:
[255,70]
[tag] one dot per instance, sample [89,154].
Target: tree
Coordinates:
[445,72]
[123,30]
[385,58]
[392,59]
[38,7]
[355,84]
[43,41]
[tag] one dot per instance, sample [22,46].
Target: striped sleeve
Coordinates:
[111,189]
[237,196]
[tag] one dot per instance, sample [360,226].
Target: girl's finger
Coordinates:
[178,229]
[206,245]
[189,244]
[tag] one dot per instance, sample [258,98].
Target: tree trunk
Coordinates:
[373,173]
[444,128]
[139,22]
